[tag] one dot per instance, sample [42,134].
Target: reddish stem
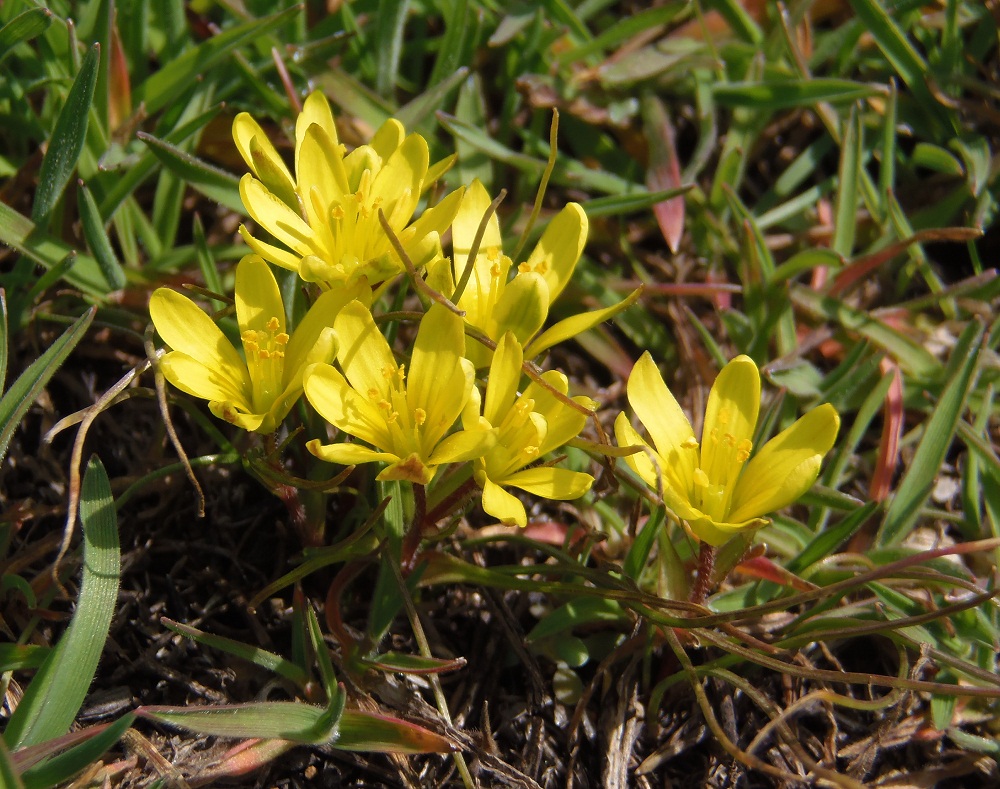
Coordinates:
[703,583]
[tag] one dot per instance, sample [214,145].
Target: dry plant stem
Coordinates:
[425,650]
[161,399]
[418,281]
[728,745]
[706,563]
[470,263]
[76,458]
[286,81]
[550,165]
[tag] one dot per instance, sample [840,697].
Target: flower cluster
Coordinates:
[348,224]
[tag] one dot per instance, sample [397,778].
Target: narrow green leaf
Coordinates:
[939,431]
[252,654]
[616,205]
[387,42]
[97,238]
[397,662]
[180,73]
[53,699]
[4,343]
[826,542]
[623,30]
[430,100]
[25,390]
[9,778]
[61,768]
[206,260]
[638,552]
[19,233]
[214,183]
[786,93]
[845,217]
[367,731]
[916,360]
[938,159]
[15,657]
[282,720]
[578,613]
[68,137]
[23,27]
[738,19]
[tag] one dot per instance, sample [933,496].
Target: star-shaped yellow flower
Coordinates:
[496,303]
[406,417]
[716,487]
[254,391]
[529,426]
[327,215]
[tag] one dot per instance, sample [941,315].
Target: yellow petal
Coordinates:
[505,375]
[669,428]
[255,423]
[315,111]
[569,327]
[207,382]
[347,454]
[343,407]
[186,328]
[398,181]
[564,423]
[522,307]
[277,255]
[409,469]
[626,436]
[363,354]
[438,218]
[786,466]
[502,505]
[558,484]
[267,164]
[274,216]
[319,166]
[719,534]
[321,315]
[462,446]
[439,382]
[258,299]
[730,418]
[559,249]
[388,138]
[467,221]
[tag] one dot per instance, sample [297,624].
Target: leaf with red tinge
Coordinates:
[245,758]
[369,731]
[766,570]
[399,663]
[892,431]
[664,170]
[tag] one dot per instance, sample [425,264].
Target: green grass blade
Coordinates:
[214,183]
[25,390]
[53,699]
[787,93]
[367,731]
[68,137]
[167,84]
[23,27]
[284,720]
[9,779]
[388,42]
[916,486]
[4,345]
[61,768]
[19,233]
[845,220]
[97,238]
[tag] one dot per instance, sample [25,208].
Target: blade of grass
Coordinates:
[61,768]
[915,487]
[783,94]
[97,238]
[66,142]
[25,390]
[211,181]
[23,27]
[53,699]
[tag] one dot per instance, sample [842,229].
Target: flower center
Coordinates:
[265,352]
[721,461]
[404,424]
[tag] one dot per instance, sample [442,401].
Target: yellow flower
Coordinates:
[712,486]
[405,417]
[327,216]
[254,391]
[529,426]
[496,304]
